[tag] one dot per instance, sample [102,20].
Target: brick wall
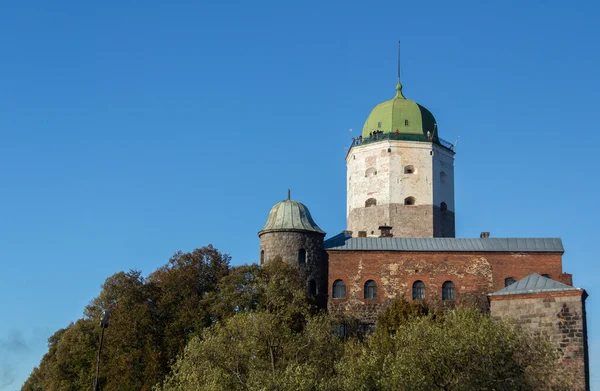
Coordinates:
[474,274]
[560,316]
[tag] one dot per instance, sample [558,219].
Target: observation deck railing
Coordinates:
[404,137]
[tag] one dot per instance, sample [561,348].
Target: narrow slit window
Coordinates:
[312,287]
[302,256]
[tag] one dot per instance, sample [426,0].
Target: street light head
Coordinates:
[104,318]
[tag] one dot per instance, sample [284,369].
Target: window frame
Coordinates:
[370,290]
[312,287]
[336,287]
[507,279]
[448,291]
[418,289]
[302,257]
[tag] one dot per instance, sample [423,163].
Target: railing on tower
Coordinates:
[404,137]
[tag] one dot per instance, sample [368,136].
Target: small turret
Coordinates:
[291,234]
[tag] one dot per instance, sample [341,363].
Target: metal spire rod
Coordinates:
[398,60]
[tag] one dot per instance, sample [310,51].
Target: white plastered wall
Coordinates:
[373,172]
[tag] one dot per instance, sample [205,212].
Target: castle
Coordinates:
[400,241]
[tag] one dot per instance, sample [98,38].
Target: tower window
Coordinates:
[409,169]
[370,202]
[443,177]
[262,257]
[302,256]
[371,172]
[418,290]
[370,290]
[312,287]
[389,150]
[378,124]
[405,122]
[509,281]
[339,289]
[409,201]
[443,207]
[448,290]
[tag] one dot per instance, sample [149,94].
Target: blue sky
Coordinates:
[130,130]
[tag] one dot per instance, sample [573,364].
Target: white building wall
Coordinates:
[377,170]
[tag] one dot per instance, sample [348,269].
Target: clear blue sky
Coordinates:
[130,130]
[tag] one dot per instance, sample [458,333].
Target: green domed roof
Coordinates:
[290,215]
[404,115]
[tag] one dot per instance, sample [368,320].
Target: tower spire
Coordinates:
[398,61]
[399,85]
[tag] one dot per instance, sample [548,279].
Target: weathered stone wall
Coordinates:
[474,274]
[409,221]
[286,246]
[379,171]
[560,316]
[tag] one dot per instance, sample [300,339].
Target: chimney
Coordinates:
[362,234]
[386,231]
[484,235]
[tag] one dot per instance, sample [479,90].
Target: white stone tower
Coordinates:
[400,174]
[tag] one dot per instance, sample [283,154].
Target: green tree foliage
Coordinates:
[152,320]
[463,349]
[278,345]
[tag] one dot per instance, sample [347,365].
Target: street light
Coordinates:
[104,319]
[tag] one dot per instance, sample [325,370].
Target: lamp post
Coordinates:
[104,318]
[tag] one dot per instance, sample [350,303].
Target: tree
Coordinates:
[277,344]
[461,350]
[152,320]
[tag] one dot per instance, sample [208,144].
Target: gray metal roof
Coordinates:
[534,283]
[290,215]
[344,242]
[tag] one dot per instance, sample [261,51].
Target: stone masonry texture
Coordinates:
[286,244]
[560,316]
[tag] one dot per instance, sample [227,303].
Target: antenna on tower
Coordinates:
[289,194]
[398,61]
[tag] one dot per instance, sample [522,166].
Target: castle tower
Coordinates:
[291,234]
[400,174]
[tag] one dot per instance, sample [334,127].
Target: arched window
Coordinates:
[409,169]
[448,290]
[312,287]
[371,172]
[443,177]
[418,290]
[370,202]
[509,281]
[370,290]
[409,201]
[339,289]
[443,207]
[405,122]
[302,256]
[262,256]
[378,125]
